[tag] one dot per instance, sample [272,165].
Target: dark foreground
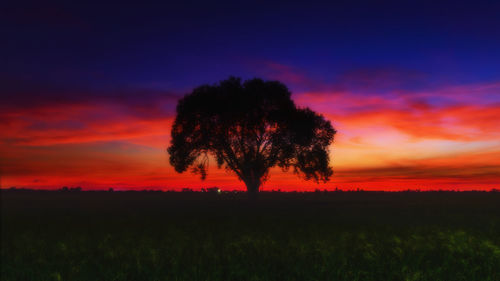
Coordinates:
[195,236]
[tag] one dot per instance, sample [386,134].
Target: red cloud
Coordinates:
[123,143]
[42,126]
[412,114]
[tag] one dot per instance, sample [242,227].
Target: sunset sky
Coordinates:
[88,91]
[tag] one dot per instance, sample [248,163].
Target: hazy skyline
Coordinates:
[89,90]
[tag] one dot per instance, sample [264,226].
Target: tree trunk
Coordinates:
[253,186]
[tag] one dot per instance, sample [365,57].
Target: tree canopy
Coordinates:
[248,127]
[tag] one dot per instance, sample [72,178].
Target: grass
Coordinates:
[195,236]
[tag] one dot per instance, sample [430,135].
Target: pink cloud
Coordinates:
[124,142]
[104,122]
[413,114]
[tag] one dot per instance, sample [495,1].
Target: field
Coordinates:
[292,236]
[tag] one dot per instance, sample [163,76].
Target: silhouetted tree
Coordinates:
[248,128]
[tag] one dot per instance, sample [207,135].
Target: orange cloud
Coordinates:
[413,117]
[395,142]
[80,124]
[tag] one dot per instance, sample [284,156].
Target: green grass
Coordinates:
[172,236]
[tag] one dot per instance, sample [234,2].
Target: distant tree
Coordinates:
[213,190]
[248,128]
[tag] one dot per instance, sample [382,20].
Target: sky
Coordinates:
[88,89]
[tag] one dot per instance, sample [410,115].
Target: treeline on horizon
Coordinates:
[216,190]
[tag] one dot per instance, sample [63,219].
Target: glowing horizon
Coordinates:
[380,145]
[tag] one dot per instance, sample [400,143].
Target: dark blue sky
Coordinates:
[174,46]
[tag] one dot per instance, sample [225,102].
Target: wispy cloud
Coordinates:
[392,132]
